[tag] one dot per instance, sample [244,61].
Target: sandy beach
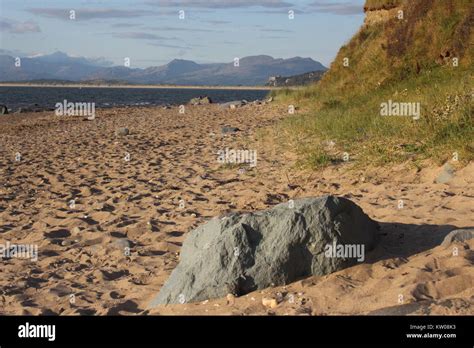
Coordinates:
[84,194]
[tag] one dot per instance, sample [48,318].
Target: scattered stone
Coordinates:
[122,131]
[460,235]
[233,104]
[277,246]
[269,302]
[230,299]
[229,130]
[200,101]
[3,110]
[447,173]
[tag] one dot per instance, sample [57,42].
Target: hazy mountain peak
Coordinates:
[253,70]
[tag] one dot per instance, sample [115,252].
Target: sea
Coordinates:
[47,97]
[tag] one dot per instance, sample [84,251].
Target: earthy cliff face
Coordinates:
[417,51]
[401,38]
[373,17]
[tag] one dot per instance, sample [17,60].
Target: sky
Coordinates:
[154,32]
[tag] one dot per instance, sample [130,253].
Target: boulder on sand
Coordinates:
[241,253]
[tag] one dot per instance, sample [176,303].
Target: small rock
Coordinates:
[229,129]
[446,174]
[230,299]
[122,131]
[269,302]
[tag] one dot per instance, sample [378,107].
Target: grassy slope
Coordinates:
[406,60]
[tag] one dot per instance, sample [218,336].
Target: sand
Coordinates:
[173,182]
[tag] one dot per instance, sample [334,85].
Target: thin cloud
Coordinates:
[125,25]
[213,4]
[87,14]
[276,30]
[163,45]
[140,36]
[15,27]
[284,11]
[337,8]
[217,22]
[179,29]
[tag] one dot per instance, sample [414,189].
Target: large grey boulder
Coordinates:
[240,253]
[460,235]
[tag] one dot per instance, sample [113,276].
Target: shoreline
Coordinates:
[250,88]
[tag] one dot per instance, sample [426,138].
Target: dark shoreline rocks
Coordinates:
[201,100]
[241,253]
[33,108]
[3,109]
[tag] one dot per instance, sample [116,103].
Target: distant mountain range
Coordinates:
[253,70]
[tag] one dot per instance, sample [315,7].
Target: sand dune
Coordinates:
[109,230]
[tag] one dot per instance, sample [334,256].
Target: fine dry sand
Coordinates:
[82,267]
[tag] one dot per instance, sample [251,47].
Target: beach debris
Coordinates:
[3,110]
[201,100]
[277,246]
[269,302]
[122,131]
[460,235]
[446,174]
[229,130]
[230,299]
[233,104]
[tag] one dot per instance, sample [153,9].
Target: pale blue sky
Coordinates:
[150,32]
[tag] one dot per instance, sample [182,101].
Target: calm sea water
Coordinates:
[16,97]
